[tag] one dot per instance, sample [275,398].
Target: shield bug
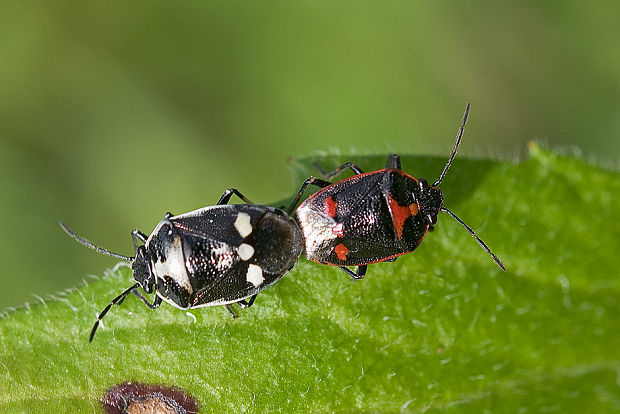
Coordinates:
[372,217]
[217,255]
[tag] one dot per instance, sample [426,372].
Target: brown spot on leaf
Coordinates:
[135,398]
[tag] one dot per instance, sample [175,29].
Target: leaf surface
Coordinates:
[439,330]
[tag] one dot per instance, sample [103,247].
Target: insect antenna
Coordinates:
[89,244]
[114,301]
[478,239]
[456,145]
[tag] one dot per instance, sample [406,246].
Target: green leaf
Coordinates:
[439,330]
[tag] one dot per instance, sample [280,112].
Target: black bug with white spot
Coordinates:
[215,255]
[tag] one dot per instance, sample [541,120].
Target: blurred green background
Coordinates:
[113,114]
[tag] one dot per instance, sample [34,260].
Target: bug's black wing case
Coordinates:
[212,242]
[368,225]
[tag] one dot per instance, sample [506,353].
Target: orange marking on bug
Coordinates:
[400,214]
[414,209]
[330,206]
[341,251]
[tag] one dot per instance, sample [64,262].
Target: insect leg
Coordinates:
[135,236]
[154,305]
[329,176]
[310,181]
[229,309]
[246,304]
[228,193]
[243,303]
[114,301]
[359,274]
[393,161]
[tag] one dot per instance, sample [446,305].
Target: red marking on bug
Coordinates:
[400,214]
[338,230]
[330,206]
[341,251]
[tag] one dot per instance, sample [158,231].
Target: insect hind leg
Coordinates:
[243,303]
[353,167]
[229,309]
[358,274]
[246,304]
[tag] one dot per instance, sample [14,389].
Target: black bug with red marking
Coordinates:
[372,217]
[217,255]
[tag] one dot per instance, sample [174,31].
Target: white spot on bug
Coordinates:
[338,230]
[255,275]
[245,251]
[243,225]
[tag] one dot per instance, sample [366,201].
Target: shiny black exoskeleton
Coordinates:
[216,255]
[372,217]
